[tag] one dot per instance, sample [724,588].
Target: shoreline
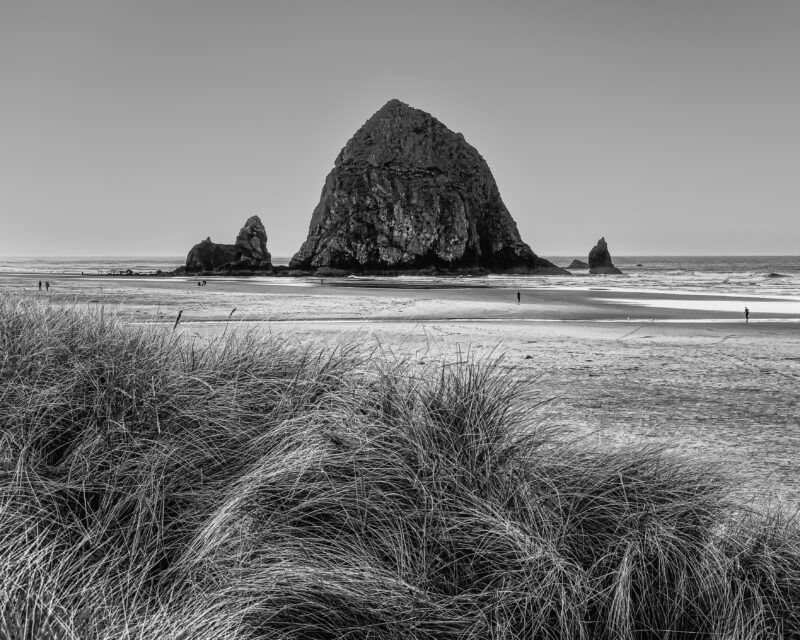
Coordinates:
[415,301]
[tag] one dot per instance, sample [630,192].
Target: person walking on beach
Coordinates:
[518,297]
[40,285]
[746,314]
[47,285]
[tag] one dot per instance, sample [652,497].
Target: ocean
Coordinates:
[748,275]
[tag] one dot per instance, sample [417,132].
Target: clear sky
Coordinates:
[141,127]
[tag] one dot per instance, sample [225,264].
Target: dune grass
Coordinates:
[152,486]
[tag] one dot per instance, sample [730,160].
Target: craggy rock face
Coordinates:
[600,259]
[252,240]
[249,253]
[408,193]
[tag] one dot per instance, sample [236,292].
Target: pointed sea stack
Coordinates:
[600,259]
[248,253]
[406,193]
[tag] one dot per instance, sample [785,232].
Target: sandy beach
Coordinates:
[681,371]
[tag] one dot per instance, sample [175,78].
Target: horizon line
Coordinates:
[543,255]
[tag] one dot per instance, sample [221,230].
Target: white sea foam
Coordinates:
[731,275]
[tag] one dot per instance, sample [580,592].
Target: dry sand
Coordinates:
[687,374]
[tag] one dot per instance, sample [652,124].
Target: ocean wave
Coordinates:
[739,276]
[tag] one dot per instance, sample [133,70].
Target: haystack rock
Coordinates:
[600,259]
[406,193]
[248,253]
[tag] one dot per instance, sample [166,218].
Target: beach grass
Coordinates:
[247,486]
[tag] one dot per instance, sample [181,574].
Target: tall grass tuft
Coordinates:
[152,486]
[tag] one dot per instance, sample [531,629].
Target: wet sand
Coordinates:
[690,375]
[299,299]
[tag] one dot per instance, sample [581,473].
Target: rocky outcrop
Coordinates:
[406,193]
[248,253]
[600,259]
[578,264]
[209,256]
[252,241]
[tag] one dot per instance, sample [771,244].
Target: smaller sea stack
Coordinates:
[600,259]
[578,264]
[249,252]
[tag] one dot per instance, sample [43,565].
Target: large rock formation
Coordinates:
[408,193]
[600,259]
[248,253]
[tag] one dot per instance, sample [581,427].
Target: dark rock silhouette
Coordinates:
[252,240]
[248,253]
[600,259]
[578,264]
[210,256]
[406,193]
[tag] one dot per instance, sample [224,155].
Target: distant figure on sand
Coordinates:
[518,297]
[47,285]
[40,285]
[746,314]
